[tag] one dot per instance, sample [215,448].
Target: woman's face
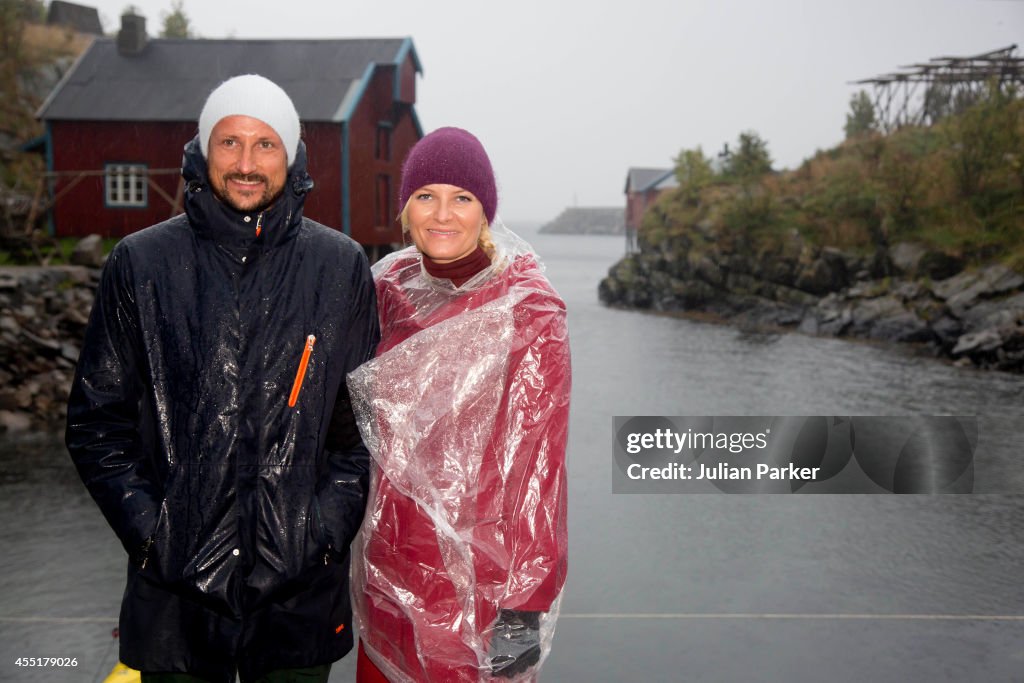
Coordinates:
[445,221]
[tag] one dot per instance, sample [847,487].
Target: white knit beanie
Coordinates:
[255,96]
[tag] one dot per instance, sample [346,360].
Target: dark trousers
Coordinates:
[313,674]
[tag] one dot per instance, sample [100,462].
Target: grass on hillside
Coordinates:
[955,187]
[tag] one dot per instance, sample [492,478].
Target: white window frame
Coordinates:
[125,185]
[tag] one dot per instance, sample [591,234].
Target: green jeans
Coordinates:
[313,674]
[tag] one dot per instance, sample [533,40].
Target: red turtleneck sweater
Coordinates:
[461,270]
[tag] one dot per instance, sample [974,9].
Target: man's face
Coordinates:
[247,163]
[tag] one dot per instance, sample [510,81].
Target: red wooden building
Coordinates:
[117,123]
[643,186]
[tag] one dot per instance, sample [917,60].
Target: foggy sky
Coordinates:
[566,96]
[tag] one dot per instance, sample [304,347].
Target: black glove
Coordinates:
[515,645]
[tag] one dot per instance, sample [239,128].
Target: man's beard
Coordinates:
[268,197]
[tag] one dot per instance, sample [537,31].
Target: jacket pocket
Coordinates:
[323,549]
[300,375]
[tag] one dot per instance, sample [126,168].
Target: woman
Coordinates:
[465,412]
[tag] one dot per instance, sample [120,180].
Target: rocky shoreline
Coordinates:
[43,319]
[906,293]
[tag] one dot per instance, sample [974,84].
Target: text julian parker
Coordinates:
[723,470]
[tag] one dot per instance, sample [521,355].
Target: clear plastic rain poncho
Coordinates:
[462,557]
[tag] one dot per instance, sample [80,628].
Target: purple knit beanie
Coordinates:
[451,156]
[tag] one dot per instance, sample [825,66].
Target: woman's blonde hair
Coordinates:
[484,240]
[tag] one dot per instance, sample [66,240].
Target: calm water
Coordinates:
[661,587]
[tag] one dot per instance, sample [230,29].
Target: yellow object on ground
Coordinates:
[122,674]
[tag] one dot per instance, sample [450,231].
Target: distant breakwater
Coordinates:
[588,220]
[906,293]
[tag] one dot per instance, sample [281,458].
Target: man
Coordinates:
[209,416]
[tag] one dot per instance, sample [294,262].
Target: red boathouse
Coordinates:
[116,125]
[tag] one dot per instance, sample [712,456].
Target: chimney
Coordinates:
[131,39]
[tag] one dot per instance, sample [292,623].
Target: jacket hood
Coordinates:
[215,220]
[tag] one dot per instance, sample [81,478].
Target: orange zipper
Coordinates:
[259,224]
[301,374]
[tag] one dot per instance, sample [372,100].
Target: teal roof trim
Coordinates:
[353,102]
[405,50]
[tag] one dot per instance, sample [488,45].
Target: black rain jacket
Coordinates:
[236,509]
